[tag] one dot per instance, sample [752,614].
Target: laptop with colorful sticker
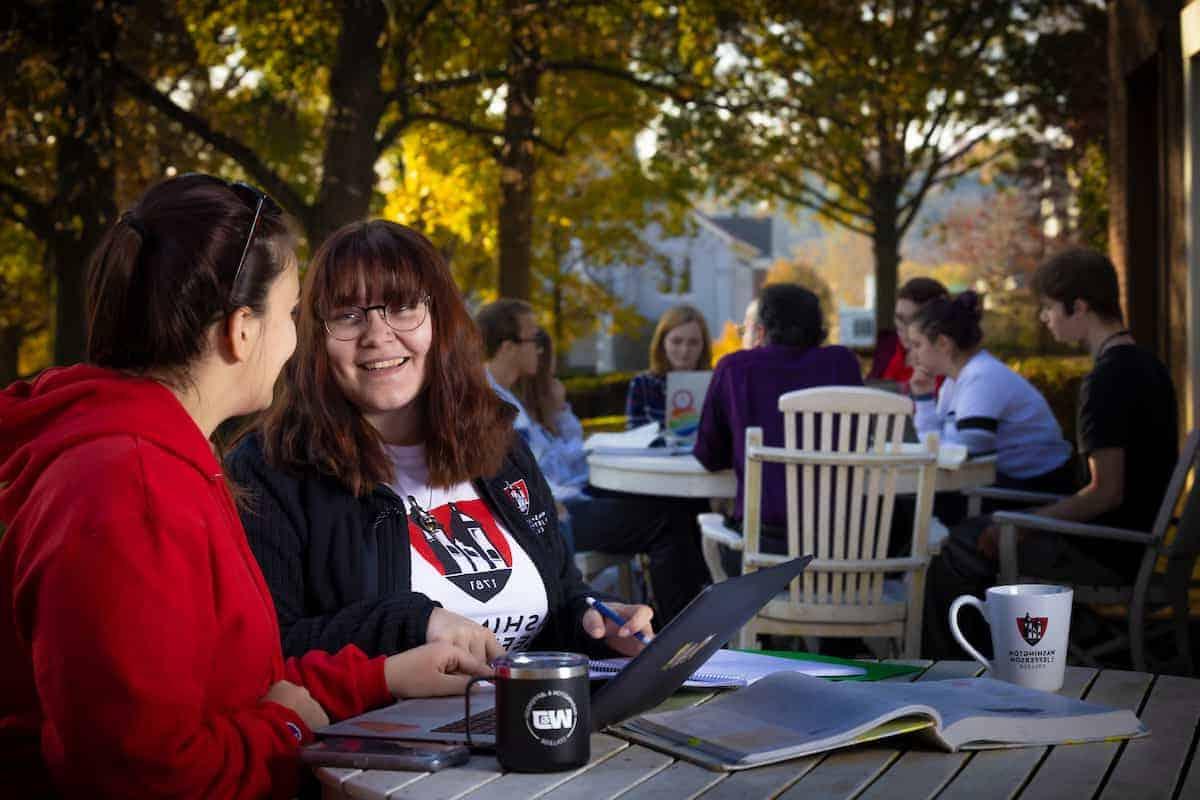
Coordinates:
[707,623]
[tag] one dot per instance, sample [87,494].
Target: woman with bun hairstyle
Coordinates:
[141,653]
[983,404]
[680,342]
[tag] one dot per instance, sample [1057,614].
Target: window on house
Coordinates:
[675,278]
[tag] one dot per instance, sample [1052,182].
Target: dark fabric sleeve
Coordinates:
[635,403]
[851,369]
[278,533]
[1104,417]
[566,628]
[714,437]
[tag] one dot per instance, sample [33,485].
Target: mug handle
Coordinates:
[959,602]
[467,698]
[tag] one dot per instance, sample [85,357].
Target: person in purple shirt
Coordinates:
[783,332]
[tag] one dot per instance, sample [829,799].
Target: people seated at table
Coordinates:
[1128,433]
[141,652]
[596,519]
[891,362]
[784,330]
[389,502]
[680,342]
[984,404]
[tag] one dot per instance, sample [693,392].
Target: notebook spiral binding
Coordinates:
[701,677]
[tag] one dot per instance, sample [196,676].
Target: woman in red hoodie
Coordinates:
[141,652]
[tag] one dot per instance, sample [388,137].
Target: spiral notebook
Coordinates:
[728,669]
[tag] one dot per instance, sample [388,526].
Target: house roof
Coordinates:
[755,231]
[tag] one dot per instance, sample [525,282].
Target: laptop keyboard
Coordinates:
[483,722]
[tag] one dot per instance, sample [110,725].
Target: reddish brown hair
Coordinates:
[468,430]
[670,320]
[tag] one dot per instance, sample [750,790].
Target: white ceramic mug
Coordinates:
[1029,624]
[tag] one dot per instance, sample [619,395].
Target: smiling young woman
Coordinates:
[390,503]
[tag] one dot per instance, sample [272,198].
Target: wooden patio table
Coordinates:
[1158,766]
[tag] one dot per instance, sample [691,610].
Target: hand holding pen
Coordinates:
[626,623]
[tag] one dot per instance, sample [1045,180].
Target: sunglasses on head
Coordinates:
[258,199]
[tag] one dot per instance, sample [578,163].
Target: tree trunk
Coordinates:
[10,354]
[886,246]
[356,103]
[83,205]
[517,166]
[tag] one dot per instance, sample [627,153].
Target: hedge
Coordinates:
[1056,377]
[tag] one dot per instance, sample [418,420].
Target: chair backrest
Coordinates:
[842,454]
[1187,533]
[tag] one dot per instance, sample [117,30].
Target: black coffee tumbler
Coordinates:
[543,711]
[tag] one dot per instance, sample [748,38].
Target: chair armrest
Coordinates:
[1012,495]
[713,534]
[712,526]
[1040,523]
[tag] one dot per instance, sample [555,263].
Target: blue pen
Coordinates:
[615,617]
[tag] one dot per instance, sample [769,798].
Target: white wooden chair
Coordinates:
[1150,587]
[840,495]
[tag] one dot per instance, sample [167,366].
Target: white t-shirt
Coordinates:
[993,410]
[463,558]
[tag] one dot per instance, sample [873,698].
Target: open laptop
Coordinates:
[710,620]
[684,399]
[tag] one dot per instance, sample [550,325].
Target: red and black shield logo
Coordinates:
[518,492]
[1032,629]
[461,541]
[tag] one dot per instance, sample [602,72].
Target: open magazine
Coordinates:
[788,714]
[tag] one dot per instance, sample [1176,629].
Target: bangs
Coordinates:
[363,268]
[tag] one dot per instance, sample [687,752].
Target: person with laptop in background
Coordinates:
[782,335]
[681,342]
[595,519]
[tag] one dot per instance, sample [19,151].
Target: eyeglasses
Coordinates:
[347,323]
[259,199]
[530,340]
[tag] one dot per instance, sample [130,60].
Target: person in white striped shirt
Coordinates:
[984,404]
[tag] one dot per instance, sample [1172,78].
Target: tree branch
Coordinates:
[270,180]
[37,216]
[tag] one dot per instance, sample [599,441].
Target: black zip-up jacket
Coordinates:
[338,566]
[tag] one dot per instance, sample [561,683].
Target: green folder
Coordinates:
[875,670]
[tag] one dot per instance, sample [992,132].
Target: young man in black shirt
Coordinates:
[1128,434]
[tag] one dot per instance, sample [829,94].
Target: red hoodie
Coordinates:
[136,630]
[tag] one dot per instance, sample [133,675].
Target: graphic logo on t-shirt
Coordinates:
[518,492]
[465,548]
[1032,629]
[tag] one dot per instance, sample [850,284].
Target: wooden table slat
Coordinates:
[1151,767]
[333,777]
[766,781]
[378,784]
[680,781]
[614,776]
[844,774]
[535,784]
[1077,770]
[454,782]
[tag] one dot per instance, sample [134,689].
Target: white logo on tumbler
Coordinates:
[551,717]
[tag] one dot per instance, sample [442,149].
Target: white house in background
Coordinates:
[718,267]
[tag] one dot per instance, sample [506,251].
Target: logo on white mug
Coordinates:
[1031,628]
